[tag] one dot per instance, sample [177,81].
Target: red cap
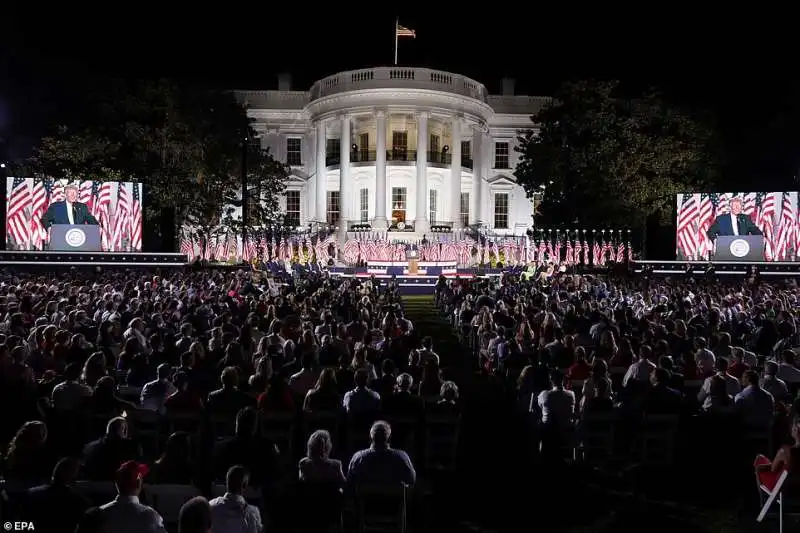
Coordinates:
[130,472]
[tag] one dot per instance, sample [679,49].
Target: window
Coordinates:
[466,150]
[364,205]
[363,147]
[399,145]
[293,208]
[434,143]
[398,204]
[332,215]
[253,205]
[501,155]
[433,196]
[465,208]
[501,210]
[294,151]
[332,147]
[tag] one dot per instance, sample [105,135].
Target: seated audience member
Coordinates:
[317,466]
[325,394]
[773,384]
[105,401]
[248,448]
[230,513]
[175,466]
[70,395]
[155,393]
[600,401]
[788,456]
[660,399]
[755,405]
[732,385]
[277,397]
[57,506]
[102,457]
[184,399]
[384,385]
[580,369]
[380,463]
[303,381]
[362,399]
[228,400]
[125,513]
[448,400]
[195,516]
[718,401]
[402,402]
[28,458]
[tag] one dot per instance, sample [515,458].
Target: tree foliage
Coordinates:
[601,159]
[185,144]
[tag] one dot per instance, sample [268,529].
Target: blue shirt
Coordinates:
[381,466]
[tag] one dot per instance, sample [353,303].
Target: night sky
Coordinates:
[743,72]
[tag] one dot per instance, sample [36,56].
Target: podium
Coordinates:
[75,238]
[746,248]
[412,256]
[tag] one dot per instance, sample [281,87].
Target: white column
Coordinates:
[455,172]
[421,219]
[345,199]
[475,200]
[321,175]
[380,221]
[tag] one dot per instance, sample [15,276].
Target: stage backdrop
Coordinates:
[117,206]
[773,214]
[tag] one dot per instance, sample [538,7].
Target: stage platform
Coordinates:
[109,259]
[784,269]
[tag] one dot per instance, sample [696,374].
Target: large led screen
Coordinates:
[36,208]
[752,226]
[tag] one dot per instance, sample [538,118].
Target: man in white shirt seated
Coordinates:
[704,357]
[380,463]
[557,407]
[156,392]
[732,385]
[125,514]
[230,513]
[641,370]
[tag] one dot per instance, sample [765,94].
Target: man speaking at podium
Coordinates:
[733,223]
[69,211]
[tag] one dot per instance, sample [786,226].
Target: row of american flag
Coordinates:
[117,206]
[775,214]
[226,247]
[229,247]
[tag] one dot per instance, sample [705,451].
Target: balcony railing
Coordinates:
[409,156]
[399,77]
[401,155]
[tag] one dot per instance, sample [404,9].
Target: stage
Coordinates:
[784,269]
[100,259]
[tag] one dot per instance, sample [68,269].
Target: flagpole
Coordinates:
[396,24]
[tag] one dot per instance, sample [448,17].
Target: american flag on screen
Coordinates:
[19,203]
[57,192]
[86,194]
[786,229]
[121,218]
[136,219]
[40,199]
[102,203]
[766,221]
[687,233]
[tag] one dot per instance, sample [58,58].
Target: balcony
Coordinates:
[399,78]
[397,156]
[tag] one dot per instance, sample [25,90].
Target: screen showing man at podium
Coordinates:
[748,226]
[73,215]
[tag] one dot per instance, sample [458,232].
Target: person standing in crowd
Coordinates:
[126,514]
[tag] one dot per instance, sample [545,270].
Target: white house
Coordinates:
[397,148]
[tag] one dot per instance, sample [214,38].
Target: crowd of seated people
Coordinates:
[614,372]
[133,390]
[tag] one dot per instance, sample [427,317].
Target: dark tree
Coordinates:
[599,159]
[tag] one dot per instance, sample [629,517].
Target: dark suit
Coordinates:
[57,214]
[723,226]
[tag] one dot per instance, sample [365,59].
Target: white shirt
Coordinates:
[232,514]
[732,387]
[639,371]
[69,212]
[557,405]
[734,224]
[126,514]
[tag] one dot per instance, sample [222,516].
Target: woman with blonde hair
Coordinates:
[317,466]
